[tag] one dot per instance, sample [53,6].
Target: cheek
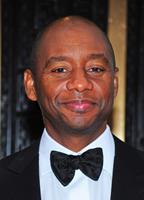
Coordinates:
[104,90]
[50,90]
[109,95]
[103,86]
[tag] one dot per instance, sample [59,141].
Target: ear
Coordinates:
[116,70]
[29,85]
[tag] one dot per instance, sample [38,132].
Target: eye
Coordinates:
[95,69]
[59,70]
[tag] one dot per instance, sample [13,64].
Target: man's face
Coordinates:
[74,82]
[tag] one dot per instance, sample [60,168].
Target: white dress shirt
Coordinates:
[81,187]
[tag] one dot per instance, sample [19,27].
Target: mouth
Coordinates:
[79,106]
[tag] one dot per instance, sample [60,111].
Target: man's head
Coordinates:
[73,77]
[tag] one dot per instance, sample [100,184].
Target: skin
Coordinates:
[74,81]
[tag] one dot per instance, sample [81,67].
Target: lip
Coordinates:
[80,106]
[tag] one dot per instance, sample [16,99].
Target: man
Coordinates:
[74,79]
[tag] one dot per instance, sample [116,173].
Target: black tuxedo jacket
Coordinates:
[19,174]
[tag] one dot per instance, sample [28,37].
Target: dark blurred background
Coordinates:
[21,121]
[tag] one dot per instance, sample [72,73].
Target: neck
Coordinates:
[75,141]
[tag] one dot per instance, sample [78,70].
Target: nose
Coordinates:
[79,82]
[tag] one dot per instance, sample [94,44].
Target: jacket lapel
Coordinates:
[25,173]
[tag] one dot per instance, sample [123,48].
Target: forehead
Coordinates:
[73,37]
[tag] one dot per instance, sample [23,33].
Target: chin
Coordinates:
[80,125]
[85,125]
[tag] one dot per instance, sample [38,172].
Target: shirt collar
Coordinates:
[48,144]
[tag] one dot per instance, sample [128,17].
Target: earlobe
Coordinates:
[116,81]
[29,85]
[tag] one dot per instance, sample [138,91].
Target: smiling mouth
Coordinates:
[79,106]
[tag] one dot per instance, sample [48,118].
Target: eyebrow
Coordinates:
[55,59]
[94,56]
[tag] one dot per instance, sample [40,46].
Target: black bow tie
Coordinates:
[64,166]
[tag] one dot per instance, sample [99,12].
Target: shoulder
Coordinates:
[17,171]
[20,159]
[129,155]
